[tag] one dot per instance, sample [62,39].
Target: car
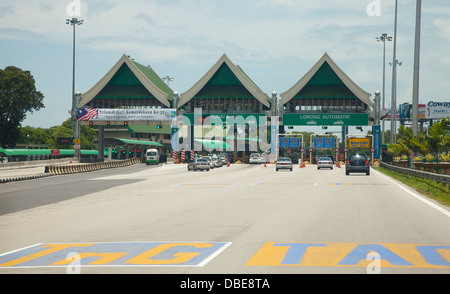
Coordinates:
[215,159]
[265,158]
[283,163]
[357,163]
[224,159]
[199,164]
[211,163]
[255,158]
[324,162]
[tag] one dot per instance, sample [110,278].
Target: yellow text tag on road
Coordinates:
[351,254]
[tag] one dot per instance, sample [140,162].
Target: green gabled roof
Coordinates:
[156,80]
[325,80]
[150,129]
[225,80]
[129,79]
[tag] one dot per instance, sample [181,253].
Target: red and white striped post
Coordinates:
[174,155]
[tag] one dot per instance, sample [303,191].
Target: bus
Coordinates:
[152,156]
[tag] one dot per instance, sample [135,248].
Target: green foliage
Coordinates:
[430,188]
[30,135]
[34,136]
[18,95]
[435,140]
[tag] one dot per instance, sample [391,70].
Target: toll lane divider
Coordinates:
[87,167]
[23,178]
[72,169]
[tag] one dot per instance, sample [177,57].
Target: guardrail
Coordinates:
[417,173]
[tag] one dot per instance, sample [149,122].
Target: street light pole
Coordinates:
[394,83]
[415,102]
[384,38]
[168,79]
[74,22]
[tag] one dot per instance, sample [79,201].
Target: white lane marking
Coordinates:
[416,195]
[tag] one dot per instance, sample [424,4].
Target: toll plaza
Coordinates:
[132,102]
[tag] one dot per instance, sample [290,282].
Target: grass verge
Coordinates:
[429,188]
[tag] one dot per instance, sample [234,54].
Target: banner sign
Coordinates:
[359,143]
[289,142]
[273,139]
[376,130]
[324,143]
[94,114]
[326,119]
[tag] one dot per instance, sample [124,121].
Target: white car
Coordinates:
[215,159]
[255,158]
[283,163]
[211,163]
[324,162]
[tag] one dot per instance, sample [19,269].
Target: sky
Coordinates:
[275,42]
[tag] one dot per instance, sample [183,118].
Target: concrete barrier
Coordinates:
[81,168]
[64,169]
[23,178]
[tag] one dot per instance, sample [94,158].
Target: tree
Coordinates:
[88,141]
[435,140]
[438,136]
[31,135]
[18,95]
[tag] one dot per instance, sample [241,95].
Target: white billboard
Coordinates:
[437,110]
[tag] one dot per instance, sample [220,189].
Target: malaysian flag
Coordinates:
[85,114]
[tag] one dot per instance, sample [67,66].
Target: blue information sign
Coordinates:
[377,142]
[289,142]
[324,143]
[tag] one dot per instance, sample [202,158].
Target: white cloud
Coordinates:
[275,41]
[443,25]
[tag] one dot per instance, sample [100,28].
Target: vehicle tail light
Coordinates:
[348,161]
[367,162]
[198,163]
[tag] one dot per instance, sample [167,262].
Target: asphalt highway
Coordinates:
[243,219]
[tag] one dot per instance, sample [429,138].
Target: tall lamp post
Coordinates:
[415,108]
[394,83]
[384,37]
[74,22]
[167,79]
